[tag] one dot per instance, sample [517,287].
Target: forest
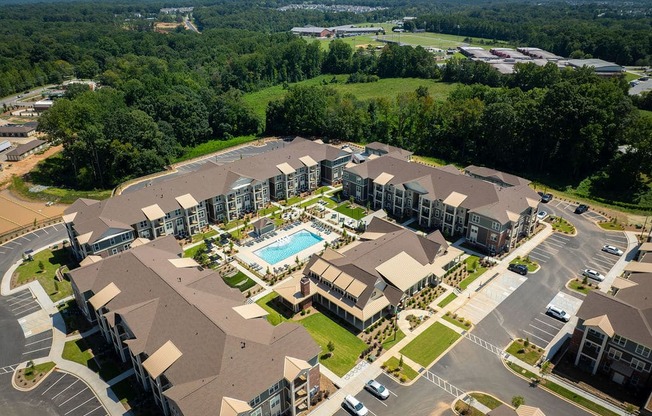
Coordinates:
[164,93]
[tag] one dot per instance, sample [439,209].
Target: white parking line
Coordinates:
[559,237]
[391,392]
[537,258]
[543,254]
[372,413]
[73,383]
[378,400]
[556,244]
[55,228]
[545,332]
[531,334]
[46,390]
[20,301]
[546,323]
[40,349]
[72,410]
[43,229]
[40,340]
[98,407]
[25,308]
[77,394]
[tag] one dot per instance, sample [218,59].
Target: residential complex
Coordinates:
[192,341]
[370,279]
[614,332]
[490,209]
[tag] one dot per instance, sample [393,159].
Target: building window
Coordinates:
[201,214]
[494,237]
[495,225]
[256,412]
[177,212]
[274,388]
[614,354]
[112,241]
[114,251]
[637,364]
[179,222]
[475,218]
[620,340]
[255,402]
[642,350]
[125,247]
[143,224]
[96,247]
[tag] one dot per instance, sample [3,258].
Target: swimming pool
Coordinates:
[287,246]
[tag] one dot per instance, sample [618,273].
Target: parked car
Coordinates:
[581,209]
[355,406]
[558,313]
[377,389]
[592,274]
[518,268]
[545,198]
[541,215]
[612,250]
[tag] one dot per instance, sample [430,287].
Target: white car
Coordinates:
[355,406]
[612,250]
[558,313]
[541,215]
[377,389]
[592,274]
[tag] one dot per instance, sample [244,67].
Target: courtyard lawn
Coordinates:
[269,210]
[51,261]
[267,302]
[293,200]
[391,341]
[190,253]
[448,299]
[202,236]
[530,354]
[347,346]
[461,324]
[356,213]
[474,275]
[77,351]
[240,281]
[430,344]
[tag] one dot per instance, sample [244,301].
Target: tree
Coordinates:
[338,58]
[400,362]
[41,266]
[330,346]
[517,401]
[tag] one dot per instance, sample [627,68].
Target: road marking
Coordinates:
[537,258]
[379,401]
[20,301]
[77,394]
[391,392]
[46,390]
[484,344]
[98,407]
[556,244]
[40,340]
[541,253]
[55,228]
[560,237]
[531,334]
[73,383]
[29,307]
[72,410]
[602,262]
[443,384]
[546,323]
[40,349]
[45,231]
[545,332]
[610,257]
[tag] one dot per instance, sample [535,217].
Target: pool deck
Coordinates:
[246,251]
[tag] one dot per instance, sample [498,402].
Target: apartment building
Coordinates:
[370,279]
[481,208]
[186,204]
[613,335]
[192,342]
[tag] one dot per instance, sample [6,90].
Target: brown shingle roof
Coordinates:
[24,148]
[496,175]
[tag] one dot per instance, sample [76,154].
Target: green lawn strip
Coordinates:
[531,264]
[269,210]
[212,147]
[190,253]
[322,190]
[562,391]
[77,351]
[356,213]
[391,341]
[51,261]
[309,202]
[347,346]
[478,271]
[580,287]
[489,401]
[64,196]
[293,200]
[433,161]
[529,354]
[240,281]
[430,344]
[448,299]
[202,236]
[611,226]
[30,373]
[233,224]
[267,303]
[456,322]
[392,364]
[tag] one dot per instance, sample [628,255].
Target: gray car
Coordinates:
[377,389]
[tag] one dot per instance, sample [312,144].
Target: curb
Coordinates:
[32,387]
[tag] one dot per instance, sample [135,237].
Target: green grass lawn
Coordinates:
[529,354]
[611,226]
[328,202]
[387,87]
[391,341]
[531,264]
[77,351]
[267,302]
[489,401]
[347,346]
[190,253]
[456,322]
[430,344]
[580,287]
[212,147]
[356,213]
[431,160]
[240,281]
[202,236]
[472,276]
[406,370]
[269,210]
[51,261]
[30,373]
[53,193]
[448,299]
[561,225]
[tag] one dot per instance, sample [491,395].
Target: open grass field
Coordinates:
[430,344]
[387,87]
[347,346]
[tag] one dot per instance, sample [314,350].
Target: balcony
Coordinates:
[591,351]
[595,337]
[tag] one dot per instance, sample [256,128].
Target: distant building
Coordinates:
[18,130]
[599,66]
[341,31]
[4,145]
[312,31]
[43,105]
[174,10]
[539,53]
[476,52]
[27,149]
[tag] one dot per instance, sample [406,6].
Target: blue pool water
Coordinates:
[287,246]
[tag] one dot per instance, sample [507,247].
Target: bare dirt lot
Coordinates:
[23,166]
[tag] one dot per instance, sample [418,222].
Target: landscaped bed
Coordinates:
[561,225]
[399,370]
[581,286]
[457,320]
[430,344]
[526,261]
[43,268]
[474,268]
[525,351]
[611,226]
[32,374]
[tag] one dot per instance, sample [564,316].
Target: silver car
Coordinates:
[558,313]
[612,250]
[592,274]
[377,389]
[355,406]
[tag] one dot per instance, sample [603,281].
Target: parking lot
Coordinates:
[376,406]
[71,395]
[543,328]
[30,240]
[602,261]
[21,303]
[546,251]
[570,207]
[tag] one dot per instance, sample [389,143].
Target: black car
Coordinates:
[581,209]
[518,268]
[545,198]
